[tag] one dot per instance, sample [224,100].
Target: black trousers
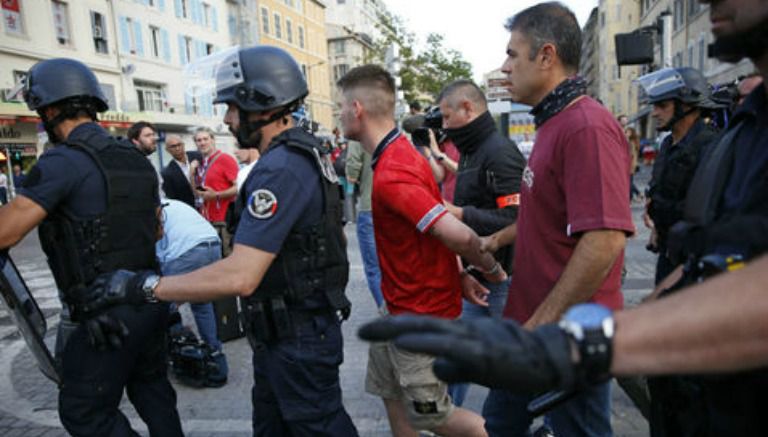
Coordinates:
[93,381]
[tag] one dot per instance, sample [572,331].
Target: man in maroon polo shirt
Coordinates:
[417,241]
[574,212]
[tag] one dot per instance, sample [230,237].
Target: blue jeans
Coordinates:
[587,414]
[497,300]
[199,256]
[368,253]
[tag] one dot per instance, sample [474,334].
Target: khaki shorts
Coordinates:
[400,375]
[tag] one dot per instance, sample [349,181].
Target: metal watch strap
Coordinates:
[148,288]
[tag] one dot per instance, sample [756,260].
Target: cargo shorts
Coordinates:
[396,374]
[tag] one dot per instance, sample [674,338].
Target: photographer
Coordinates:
[428,136]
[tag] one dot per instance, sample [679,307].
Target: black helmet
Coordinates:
[260,78]
[55,80]
[685,84]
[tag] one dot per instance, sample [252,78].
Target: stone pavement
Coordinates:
[28,400]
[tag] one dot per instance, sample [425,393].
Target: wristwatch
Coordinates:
[591,327]
[148,288]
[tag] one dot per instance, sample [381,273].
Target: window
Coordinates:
[184,11]
[265,21]
[339,71]
[340,2]
[14,24]
[14,94]
[702,54]
[301,37]
[188,50]
[61,22]
[278,27]
[99,31]
[690,56]
[288,3]
[208,49]
[339,47]
[693,7]
[131,26]
[288,30]
[679,17]
[150,96]
[154,41]
[602,19]
[206,15]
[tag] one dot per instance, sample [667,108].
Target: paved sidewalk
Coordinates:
[28,402]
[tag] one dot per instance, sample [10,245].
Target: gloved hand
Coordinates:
[110,289]
[106,332]
[493,353]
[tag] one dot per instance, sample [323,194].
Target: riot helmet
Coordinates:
[69,84]
[681,85]
[259,79]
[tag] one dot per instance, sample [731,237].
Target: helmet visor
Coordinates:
[655,86]
[209,75]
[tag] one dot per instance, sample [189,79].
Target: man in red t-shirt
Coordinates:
[417,242]
[216,183]
[574,211]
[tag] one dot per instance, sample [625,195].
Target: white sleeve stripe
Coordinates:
[429,217]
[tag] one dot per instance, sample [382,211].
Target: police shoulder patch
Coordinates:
[262,204]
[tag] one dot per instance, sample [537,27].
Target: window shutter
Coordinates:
[139,41]
[125,37]
[166,45]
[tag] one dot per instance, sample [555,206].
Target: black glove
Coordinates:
[106,332]
[493,353]
[110,289]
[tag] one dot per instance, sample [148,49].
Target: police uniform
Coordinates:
[672,174]
[291,207]
[726,221]
[92,229]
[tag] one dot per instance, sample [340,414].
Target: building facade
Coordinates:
[615,88]
[589,67]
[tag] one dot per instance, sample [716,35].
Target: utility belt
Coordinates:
[700,269]
[270,319]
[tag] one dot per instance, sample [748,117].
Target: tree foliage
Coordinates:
[423,73]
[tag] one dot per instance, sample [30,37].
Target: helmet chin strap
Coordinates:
[50,125]
[249,134]
[677,116]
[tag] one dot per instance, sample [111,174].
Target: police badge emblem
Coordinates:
[262,204]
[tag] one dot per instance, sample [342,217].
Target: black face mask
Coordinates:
[249,134]
[749,44]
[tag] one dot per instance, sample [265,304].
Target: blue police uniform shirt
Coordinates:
[67,178]
[283,192]
[750,154]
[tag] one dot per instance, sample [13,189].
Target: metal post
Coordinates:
[666,39]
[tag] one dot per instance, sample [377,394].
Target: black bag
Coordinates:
[340,165]
[190,359]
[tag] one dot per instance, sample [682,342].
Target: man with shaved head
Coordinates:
[487,186]
[417,240]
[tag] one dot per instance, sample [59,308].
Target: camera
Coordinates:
[431,120]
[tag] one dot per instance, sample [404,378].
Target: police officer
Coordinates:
[289,260]
[95,199]
[678,96]
[715,328]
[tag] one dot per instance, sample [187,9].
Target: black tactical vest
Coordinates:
[731,403]
[672,180]
[312,260]
[123,237]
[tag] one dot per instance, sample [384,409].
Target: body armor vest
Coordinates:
[668,192]
[732,403]
[123,237]
[312,260]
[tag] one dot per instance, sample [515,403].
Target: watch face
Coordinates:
[589,315]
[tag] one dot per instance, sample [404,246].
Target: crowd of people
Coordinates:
[485,267]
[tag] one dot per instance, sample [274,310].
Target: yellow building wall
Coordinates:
[313,56]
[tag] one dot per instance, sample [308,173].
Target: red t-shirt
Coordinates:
[217,172]
[419,274]
[575,181]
